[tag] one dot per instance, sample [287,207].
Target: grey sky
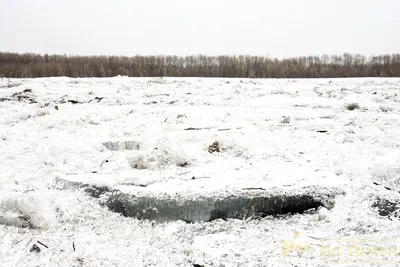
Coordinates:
[277,28]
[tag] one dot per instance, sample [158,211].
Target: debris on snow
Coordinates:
[24,96]
[97,99]
[35,248]
[227,144]
[214,147]
[385,108]
[285,119]
[387,208]
[197,129]
[352,106]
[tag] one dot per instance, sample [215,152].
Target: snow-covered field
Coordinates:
[272,134]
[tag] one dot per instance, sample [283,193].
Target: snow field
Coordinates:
[322,144]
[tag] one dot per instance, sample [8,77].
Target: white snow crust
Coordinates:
[269,132]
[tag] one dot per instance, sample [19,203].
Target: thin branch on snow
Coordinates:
[196,129]
[228,129]
[30,240]
[134,184]
[208,128]
[201,177]
[105,161]
[253,188]
[42,244]
[15,243]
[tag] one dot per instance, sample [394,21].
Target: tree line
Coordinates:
[30,65]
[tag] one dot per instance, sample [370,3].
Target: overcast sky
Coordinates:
[276,28]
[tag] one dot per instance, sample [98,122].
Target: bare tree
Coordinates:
[346,65]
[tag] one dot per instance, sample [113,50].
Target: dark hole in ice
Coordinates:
[209,208]
[206,208]
[95,191]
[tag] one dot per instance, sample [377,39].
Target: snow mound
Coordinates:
[164,153]
[32,211]
[37,87]
[226,144]
[159,80]
[387,170]
[122,145]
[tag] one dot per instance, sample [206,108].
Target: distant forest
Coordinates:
[29,65]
